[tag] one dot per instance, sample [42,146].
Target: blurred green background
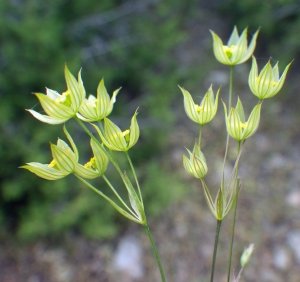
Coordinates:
[147,47]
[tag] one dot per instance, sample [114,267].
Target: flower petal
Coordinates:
[47,119]
[44,171]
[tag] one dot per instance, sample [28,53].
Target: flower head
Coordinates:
[237,50]
[63,163]
[236,125]
[117,140]
[61,107]
[204,112]
[267,84]
[195,165]
[96,166]
[95,109]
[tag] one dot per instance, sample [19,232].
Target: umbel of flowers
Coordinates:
[94,110]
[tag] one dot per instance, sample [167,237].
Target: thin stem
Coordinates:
[135,177]
[219,222]
[115,192]
[131,216]
[200,136]
[236,182]
[163,279]
[232,237]
[237,279]
[227,139]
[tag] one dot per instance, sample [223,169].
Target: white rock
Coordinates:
[293,240]
[128,258]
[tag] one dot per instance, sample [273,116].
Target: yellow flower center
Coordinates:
[53,165]
[229,50]
[273,83]
[126,134]
[64,99]
[91,164]
[243,125]
[198,108]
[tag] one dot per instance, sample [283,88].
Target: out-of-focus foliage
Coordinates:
[279,21]
[129,43]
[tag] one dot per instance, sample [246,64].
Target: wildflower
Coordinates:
[204,112]
[267,84]
[195,165]
[95,109]
[61,107]
[236,51]
[117,140]
[63,163]
[96,166]
[236,125]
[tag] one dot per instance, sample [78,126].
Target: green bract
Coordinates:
[117,140]
[61,107]
[236,125]
[267,84]
[94,109]
[204,112]
[196,164]
[236,51]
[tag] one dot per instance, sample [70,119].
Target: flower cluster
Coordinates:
[74,104]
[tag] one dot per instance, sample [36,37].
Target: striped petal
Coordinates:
[47,119]
[43,171]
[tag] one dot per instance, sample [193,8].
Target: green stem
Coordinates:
[135,177]
[219,222]
[162,275]
[232,237]
[227,139]
[236,182]
[200,136]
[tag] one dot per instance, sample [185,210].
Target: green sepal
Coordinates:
[63,158]
[100,156]
[74,88]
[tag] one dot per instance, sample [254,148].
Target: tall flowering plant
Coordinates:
[73,104]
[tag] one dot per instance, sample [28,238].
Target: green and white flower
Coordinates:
[237,50]
[61,107]
[95,109]
[204,112]
[267,84]
[236,125]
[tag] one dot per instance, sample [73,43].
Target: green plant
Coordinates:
[110,140]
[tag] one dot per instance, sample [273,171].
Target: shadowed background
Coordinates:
[61,231]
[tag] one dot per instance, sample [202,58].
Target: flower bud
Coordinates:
[246,256]
[196,164]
